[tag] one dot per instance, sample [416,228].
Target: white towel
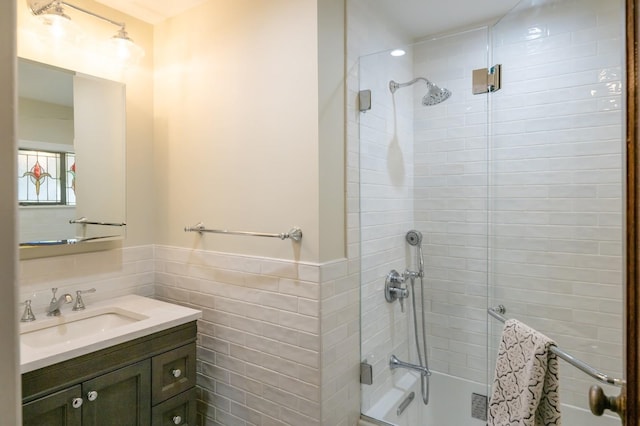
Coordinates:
[525,387]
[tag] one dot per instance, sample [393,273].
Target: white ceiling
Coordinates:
[418,17]
[421,18]
[152,11]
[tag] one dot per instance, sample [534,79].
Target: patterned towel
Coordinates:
[525,387]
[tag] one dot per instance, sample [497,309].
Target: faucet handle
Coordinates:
[53,298]
[27,315]
[79,305]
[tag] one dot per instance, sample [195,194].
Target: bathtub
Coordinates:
[450,405]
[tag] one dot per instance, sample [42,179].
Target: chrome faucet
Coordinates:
[55,304]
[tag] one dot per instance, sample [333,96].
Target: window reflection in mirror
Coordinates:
[71,158]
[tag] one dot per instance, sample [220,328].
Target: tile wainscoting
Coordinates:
[278,342]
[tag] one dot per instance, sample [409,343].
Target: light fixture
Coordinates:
[51,13]
[57,25]
[125,49]
[398,52]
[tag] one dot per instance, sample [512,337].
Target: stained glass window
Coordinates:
[46,178]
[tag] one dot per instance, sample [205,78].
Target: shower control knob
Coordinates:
[393,288]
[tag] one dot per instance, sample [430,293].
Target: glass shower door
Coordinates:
[423,167]
[556,169]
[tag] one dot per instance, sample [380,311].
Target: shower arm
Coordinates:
[393,86]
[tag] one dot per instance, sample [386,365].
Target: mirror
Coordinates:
[71,158]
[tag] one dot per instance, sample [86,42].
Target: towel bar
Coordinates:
[294,233]
[84,221]
[497,312]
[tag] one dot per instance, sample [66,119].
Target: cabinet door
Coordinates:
[119,398]
[56,409]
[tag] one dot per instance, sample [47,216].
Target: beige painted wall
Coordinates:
[139,88]
[9,352]
[237,141]
[248,123]
[332,127]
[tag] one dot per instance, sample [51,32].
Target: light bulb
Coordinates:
[125,50]
[58,28]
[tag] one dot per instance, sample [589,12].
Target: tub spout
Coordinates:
[394,363]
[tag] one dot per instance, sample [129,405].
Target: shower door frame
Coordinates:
[632,316]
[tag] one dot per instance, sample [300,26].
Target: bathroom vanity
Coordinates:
[147,377]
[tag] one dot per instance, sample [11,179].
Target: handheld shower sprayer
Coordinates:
[414,238]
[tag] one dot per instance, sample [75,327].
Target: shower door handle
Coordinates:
[598,402]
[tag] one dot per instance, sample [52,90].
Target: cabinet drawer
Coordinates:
[173,372]
[179,410]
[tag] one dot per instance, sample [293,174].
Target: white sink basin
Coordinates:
[64,329]
[49,340]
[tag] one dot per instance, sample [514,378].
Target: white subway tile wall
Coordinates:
[112,272]
[556,180]
[525,210]
[451,203]
[382,225]
[386,203]
[278,341]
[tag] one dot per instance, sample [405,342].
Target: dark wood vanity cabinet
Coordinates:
[147,381]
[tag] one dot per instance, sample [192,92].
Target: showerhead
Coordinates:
[414,238]
[434,95]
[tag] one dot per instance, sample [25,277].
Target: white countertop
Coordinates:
[154,315]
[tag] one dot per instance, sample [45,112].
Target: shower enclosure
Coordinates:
[518,196]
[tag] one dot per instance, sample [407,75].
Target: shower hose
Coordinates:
[424,377]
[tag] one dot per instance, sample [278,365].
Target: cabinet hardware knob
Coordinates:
[92,395]
[76,403]
[177,420]
[176,373]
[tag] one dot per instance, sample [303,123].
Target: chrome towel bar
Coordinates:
[497,312]
[85,221]
[294,233]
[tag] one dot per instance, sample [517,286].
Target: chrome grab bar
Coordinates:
[84,221]
[294,233]
[497,312]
